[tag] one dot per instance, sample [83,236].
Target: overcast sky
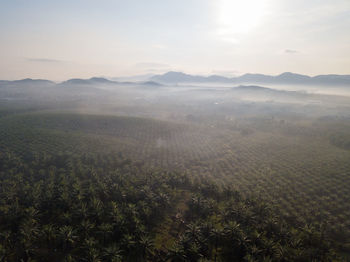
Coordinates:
[83,38]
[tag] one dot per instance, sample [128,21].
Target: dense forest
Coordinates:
[92,207]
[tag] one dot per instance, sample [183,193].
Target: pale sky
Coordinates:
[62,39]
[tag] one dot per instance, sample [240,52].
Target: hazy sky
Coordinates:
[83,38]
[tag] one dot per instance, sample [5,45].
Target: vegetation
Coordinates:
[94,207]
[290,164]
[97,187]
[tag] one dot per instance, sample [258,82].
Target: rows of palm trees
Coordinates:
[233,229]
[106,208]
[273,165]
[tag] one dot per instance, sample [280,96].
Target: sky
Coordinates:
[63,39]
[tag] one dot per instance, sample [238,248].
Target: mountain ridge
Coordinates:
[173,77]
[284,78]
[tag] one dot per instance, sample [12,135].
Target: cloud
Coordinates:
[43,60]
[290,51]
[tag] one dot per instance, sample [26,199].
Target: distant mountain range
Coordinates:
[91,81]
[27,81]
[74,81]
[179,77]
[104,81]
[284,78]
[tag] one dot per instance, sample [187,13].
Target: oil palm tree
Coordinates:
[93,255]
[215,235]
[146,246]
[113,253]
[176,254]
[49,234]
[86,227]
[68,237]
[193,232]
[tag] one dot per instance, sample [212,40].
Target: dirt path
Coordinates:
[172,225]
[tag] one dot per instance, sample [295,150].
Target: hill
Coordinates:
[91,81]
[284,78]
[27,82]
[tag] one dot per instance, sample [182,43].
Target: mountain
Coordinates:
[284,78]
[27,81]
[253,78]
[219,79]
[251,88]
[177,77]
[260,92]
[180,77]
[332,79]
[292,78]
[265,90]
[76,81]
[150,83]
[100,80]
[91,81]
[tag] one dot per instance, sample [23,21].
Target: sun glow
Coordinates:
[237,17]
